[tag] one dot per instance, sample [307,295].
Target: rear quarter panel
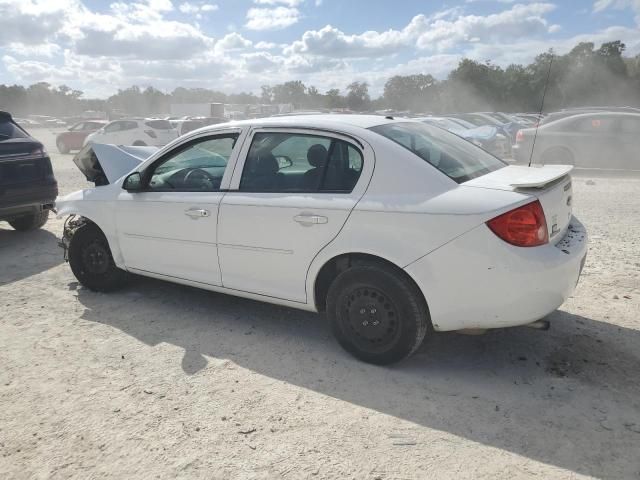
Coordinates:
[409,210]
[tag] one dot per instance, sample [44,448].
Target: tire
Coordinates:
[139,143]
[365,294]
[62,147]
[91,260]
[30,222]
[557,156]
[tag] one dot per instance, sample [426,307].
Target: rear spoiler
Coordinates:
[104,164]
[538,176]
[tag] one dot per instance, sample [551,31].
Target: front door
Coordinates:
[170,227]
[291,197]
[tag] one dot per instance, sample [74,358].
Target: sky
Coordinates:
[238,45]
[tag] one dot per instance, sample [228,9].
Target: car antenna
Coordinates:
[544,94]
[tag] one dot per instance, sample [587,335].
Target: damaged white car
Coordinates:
[393,227]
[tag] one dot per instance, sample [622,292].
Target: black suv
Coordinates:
[27,185]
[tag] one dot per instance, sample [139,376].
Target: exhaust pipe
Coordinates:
[539,324]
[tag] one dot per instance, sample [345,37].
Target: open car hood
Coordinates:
[104,164]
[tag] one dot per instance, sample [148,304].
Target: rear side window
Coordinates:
[300,163]
[159,124]
[457,158]
[11,130]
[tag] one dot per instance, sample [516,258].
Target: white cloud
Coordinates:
[190,8]
[233,41]
[443,31]
[271,18]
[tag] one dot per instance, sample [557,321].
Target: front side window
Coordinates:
[457,158]
[197,167]
[293,162]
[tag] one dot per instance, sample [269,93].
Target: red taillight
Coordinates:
[524,226]
[519,136]
[151,133]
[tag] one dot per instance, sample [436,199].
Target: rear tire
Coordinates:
[139,143]
[377,314]
[557,156]
[30,222]
[62,147]
[91,260]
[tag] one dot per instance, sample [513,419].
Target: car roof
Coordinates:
[322,120]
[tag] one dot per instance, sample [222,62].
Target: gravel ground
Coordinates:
[165,381]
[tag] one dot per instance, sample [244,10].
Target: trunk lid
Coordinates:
[104,163]
[550,184]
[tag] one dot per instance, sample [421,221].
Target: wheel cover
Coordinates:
[95,258]
[370,319]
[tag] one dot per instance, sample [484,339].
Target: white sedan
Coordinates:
[392,227]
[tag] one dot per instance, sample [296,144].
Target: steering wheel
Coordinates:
[198,173]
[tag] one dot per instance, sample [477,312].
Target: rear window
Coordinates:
[159,124]
[457,158]
[11,130]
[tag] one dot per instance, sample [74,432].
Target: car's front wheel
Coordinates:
[377,314]
[91,260]
[30,222]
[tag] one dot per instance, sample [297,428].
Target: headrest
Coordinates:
[266,164]
[317,155]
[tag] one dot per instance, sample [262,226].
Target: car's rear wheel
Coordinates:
[557,156]
[91,260]
[377,314]
[30,222]
[62,146]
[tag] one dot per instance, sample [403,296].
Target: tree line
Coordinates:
[585,76]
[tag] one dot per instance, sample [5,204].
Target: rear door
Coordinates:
[291,193]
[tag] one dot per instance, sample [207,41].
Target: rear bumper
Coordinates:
[479,281]
[27,201]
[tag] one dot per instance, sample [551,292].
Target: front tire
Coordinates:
[30,222]
[377,314]
[91,260]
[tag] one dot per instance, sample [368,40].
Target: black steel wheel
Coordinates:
[377,313]
[91,260]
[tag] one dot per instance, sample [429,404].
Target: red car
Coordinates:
[74,137]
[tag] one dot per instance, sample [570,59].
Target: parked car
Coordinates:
[189,124]
[74,138]
[609,140]
[486,137]
[480,119]
[570,112]
[135,131]
[28,187]
[394,228]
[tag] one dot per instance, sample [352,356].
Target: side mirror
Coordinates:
[133,183]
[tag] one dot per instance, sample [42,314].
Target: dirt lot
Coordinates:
[164,381]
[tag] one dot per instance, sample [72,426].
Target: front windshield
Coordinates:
[457,158]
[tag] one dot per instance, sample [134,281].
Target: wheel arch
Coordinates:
[97,217]
[332,267]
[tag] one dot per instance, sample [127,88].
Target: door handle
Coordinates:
[307,219]
[196,213]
